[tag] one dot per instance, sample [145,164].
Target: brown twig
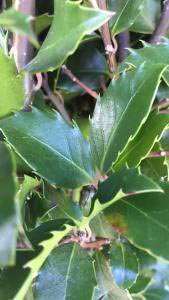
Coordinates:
[158,154]
[69,74]
[108,41]
[57,101]
[97,244]
[162,104]
[23,50]
[164,112]
[162,24]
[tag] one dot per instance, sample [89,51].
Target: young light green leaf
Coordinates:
[11,86]
[126,13]
[19,23]
[42,22]
[107,288]
[51,147]
[143,220]
[8,217]
[68,273]
[124,100]
[78,21]
[144,141]
[124,264]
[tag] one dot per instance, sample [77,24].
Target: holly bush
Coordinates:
[84,150]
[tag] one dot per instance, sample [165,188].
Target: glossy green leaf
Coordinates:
[88,64]
[129,181]
[70,209]
[68,273]
[42,22]
[18,23]
[11,86]
[126,13]
[101,228]
[124,100]
[124,263]
[8,217]
[78,21]
[143,220]
[155,167]
[36,262]
[107,289]
[50,146]
[159,271]
[146,21]
[143,142]
[150,54]
[147,273]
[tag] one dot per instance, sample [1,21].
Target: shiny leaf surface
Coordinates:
[148,212]
[11,86]
[123,101]
[68,273]
[51,147]
[78,21]
[126,13]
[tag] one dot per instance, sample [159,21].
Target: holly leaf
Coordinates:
[146,21]
[11,86]
[55,150]
[143,220]
[124,100]
[67,272]
[124,263]
[27,266]
[107,288]
[150,54]
[88,64]
[8,216]
[126,13]
[144,141]
[19,23]
[129,181]
[78,21]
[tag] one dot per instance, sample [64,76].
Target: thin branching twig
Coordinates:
[69,74]
[109,41]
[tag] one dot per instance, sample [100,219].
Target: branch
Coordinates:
[159,154]
[69,74]
[162,25]
[56,100]
[23,50]
[108,41]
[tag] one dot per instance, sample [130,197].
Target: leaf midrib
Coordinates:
[68,271]
[58,154]
[64,157]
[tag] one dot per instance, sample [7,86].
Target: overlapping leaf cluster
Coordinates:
[56,184]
